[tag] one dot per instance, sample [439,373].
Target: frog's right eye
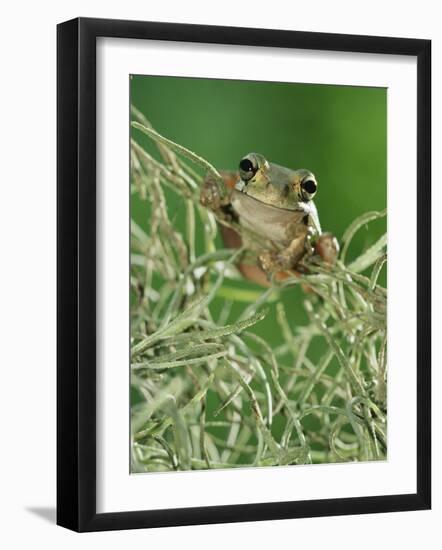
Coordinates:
[247,168]
[246,165]
[309,187]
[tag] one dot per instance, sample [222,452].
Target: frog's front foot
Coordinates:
[210,196]
[327,247]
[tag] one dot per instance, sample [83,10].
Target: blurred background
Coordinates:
[337,132]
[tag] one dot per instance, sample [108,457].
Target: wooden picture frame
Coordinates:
[77,285]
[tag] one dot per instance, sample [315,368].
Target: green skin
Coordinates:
[275,203]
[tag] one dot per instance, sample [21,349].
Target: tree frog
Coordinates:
[275,204]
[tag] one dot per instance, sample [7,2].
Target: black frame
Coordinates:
[76,274]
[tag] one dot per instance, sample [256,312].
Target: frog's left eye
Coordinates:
[309,188]
[248,167]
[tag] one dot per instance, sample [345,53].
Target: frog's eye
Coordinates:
[247,168]
[309,187]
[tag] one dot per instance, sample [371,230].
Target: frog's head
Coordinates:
[274,184]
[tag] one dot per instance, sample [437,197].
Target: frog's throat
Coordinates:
[270,222]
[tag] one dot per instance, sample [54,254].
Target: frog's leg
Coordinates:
[327,247]
[305,243]
[222,207]
[210,196]
[288,258]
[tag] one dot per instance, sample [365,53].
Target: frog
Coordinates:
[274,203]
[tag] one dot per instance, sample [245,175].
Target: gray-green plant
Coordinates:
[207,390]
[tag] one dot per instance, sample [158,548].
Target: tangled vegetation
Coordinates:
[207,390]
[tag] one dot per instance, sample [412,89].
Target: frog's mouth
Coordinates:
[241,187]
[245,197]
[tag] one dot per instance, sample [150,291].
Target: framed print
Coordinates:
[243,274]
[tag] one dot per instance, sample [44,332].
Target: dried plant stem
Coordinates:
[208,389]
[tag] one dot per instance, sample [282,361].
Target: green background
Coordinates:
[337,132]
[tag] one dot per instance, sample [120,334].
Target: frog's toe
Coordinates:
[276,262]
[267,261]
[209,196]
[327,247]
[309,245]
